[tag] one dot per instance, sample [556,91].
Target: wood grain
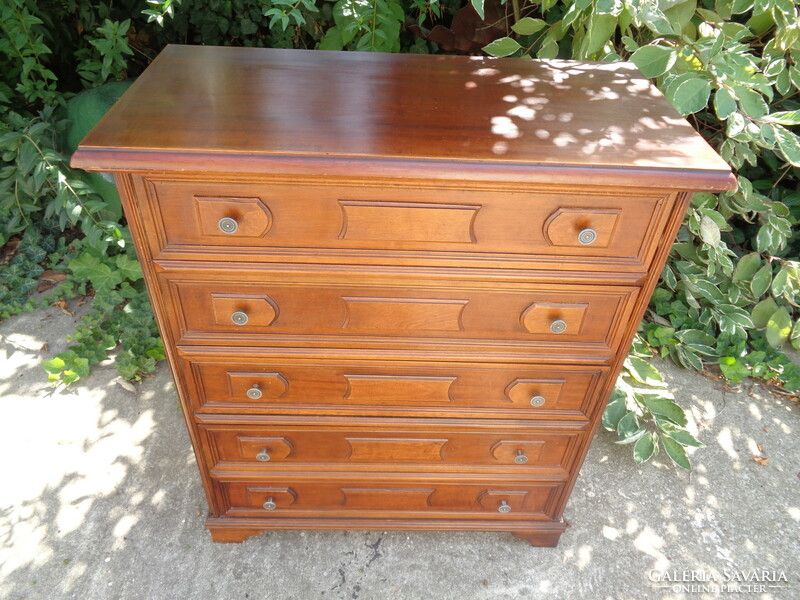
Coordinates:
[426,444]
[246,109]
[398,272]
[318,385]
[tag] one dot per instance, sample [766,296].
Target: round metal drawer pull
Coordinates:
[263,456]
[558,326]
[537,401]
[239,317]
[520,458]
[504,507]
[587,236]
[227,225]
[254,393]
[270,505]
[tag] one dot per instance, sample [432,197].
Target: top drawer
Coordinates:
[546,228]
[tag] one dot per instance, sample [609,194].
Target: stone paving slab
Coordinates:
[100,499]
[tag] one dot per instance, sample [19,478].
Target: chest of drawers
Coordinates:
[395,291]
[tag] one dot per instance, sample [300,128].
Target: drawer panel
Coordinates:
[411,496]
[370,443]
[525,315]
[262,382]
[569,225]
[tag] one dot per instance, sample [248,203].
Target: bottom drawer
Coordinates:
[390,498]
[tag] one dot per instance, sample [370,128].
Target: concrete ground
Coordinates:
[100,500]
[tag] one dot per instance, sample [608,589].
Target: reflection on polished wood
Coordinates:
[245,109]
[395,290]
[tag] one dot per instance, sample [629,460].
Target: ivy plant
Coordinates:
[729,297]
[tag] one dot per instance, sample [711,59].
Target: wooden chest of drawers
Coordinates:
[396,290]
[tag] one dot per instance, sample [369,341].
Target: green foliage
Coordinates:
[641,412]
[365,25]
[120,319]
[729,298]
[107,55]
[51,217]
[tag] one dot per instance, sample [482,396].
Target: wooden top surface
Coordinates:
[252,110]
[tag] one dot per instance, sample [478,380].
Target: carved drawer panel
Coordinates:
[262,382]
[416,496]
[337,443]
[244,219]
[380,319]
[518,315]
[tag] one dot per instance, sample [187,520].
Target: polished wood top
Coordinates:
[267,110]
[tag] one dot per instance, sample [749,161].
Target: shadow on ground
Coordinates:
[101,500]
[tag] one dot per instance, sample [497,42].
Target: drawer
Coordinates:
[398,444]
[262,382]
[562,318]
[572,228]
[413,495]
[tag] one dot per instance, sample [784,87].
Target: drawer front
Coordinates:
[260,382]
[567,225]
[352,443]
[412,496]
[525,315]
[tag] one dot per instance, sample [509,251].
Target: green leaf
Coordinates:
[752,103]
[85,266]
[746,267]
[643,372]
[695,337]
[645,448]
[655,19]
[763,311]
[780,282]
[691,95]
[528,26]
[628,427]
[502,47]
[615,410]
[724,103]
[789,145]
[129,268]
[665,408]
[709,231]
[779,327]
[104,278]
[684,438]
[332,40]
[478,6]
[549,49]
[609,7]
[601,28]
[761,281]
[732,369]
[81,366]
[54,366]
[654,60]
[741,6]
[786,117]
[676,452]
